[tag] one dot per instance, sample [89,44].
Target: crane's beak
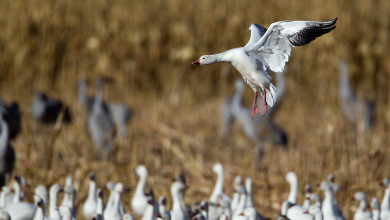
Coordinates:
[196,62]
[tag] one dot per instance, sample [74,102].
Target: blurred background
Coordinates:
[147,47]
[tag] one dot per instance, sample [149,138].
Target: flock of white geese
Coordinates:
[145,206]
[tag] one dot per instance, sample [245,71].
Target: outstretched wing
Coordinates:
[257,31]
[274,48]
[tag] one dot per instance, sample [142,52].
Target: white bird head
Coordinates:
[141,171]
[205,60]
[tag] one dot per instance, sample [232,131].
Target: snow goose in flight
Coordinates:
[385,206]
[7,152]
[268,50]
[361,213]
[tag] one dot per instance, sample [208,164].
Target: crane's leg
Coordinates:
[265,103]
[255,109]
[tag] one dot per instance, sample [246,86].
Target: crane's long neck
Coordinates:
[4,137]
[99,93]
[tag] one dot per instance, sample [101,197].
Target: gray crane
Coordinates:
[12,117]
[120,112]
[47,110]
[7,153]
[100,122]
[355,109]
[232,110]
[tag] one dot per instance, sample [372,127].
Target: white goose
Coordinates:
[53,195]
[90,205]
[7,152]
[385,206]
[152,208]
[268,50]
[308,192]
[218,190]
[316,212]
[100,204]
[114,213]
[376,209]
[164,213]
[178,211]
[14,209]
[40,212]
[236,195]
[70,193]
[295,211]
[42,193]
[139,202]
[361,213]
[330,210]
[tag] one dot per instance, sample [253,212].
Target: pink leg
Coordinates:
[264,102]
[255,109]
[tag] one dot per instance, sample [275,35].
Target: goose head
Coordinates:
[162,201]
[360,196]
[121,188]
[141,171]
[250,213]
[100,193]
[218,168]
[205,60]
[385,182]
[55,189]
[291,177]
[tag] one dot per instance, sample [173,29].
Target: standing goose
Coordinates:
[7,153]
[53,195]
[100,123]
[69,195]
[90,205]
[139,202]
[330,210]
[114,213]
[218,189]
[295,211]
[100,204]
[361,213]
[178,211]
[268,51]
[163,211]
[152,208]
[376,209]
[385,206]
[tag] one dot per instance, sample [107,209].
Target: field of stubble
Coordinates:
[148,46]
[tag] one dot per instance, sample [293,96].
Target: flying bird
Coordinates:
[268,50]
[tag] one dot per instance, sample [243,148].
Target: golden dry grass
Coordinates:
[147,47]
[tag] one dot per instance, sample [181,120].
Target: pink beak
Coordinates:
[196,62]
